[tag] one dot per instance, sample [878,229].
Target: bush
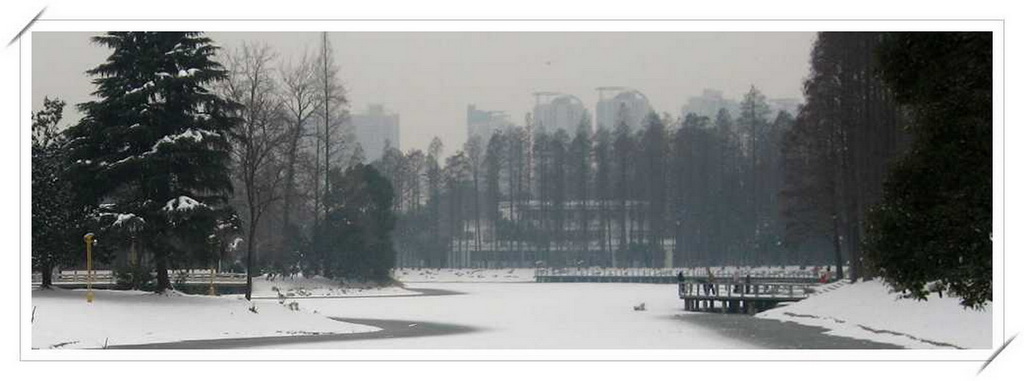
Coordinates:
[137,277]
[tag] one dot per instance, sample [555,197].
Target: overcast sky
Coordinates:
[430,77]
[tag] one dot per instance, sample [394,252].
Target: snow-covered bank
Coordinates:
[63,319]
[867,310]
[425,275]
[318,286]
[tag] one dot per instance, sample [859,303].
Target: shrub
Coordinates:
[137,277]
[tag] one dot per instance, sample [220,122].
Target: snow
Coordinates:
[867,310]
[464,275]
[182,203]
[318,286]
[123,218]
[532,316]
[189,134]
[137,89]
[63,319]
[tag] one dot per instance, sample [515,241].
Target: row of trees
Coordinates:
[176,143]
[844,141]
[690,191]
[889,161]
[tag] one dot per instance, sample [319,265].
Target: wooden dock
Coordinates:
[739,297]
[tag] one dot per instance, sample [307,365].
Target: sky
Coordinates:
[429,78]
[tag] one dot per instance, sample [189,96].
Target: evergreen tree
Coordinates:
[354,240]
[56,216]
[935,221]
[752,122]
[154,145]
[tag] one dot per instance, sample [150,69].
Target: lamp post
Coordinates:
[89,239]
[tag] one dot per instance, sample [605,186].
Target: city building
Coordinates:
[557,111]
[621,104]
[709,103]
[373,128]
[483,123]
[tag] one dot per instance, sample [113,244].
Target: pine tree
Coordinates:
[56,217]
[154,145]
[354,240]
[753,119]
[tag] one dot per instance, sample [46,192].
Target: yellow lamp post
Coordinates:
[89,239]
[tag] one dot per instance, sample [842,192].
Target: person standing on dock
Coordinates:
[710,288]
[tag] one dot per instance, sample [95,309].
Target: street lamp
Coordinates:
[89,239]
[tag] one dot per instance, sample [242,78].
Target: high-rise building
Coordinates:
[557,111]
[483,123]
[620,104]
[373,128]
[709,103]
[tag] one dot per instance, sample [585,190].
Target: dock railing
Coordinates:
[670,275]
[742,290]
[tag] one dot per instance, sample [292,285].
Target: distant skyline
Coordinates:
[429,78]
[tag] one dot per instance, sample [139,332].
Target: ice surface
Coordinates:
[534,316]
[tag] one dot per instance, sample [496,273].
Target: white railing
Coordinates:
[107,276]
[761,273]
[745,290]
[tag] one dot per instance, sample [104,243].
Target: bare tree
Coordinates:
[300,101]
[332,107]
[258,136]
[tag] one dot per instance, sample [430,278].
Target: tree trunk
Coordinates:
[47,272]
[163,282]
[248,260]
[837,247]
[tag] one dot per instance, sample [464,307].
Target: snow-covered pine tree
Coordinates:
[153,148]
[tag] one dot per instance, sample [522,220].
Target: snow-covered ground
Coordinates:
[318,286]
[867,310]
[63,319]
[533,316]
[425,275]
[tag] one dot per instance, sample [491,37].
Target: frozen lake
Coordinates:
[559,316]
